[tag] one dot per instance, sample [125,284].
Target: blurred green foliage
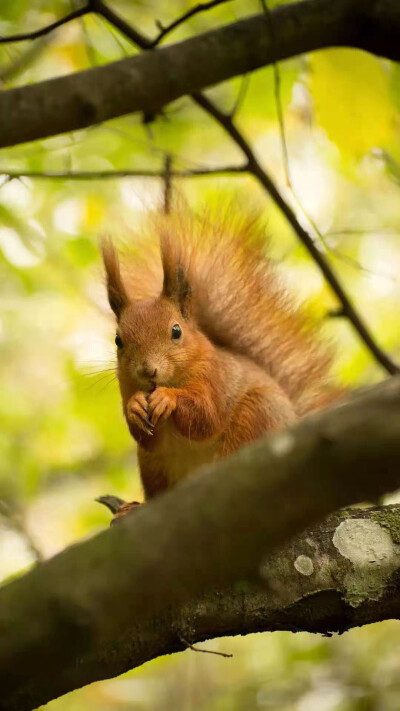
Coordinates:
[63,440]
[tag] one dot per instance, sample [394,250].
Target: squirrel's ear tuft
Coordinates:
[117,295]
[176,284]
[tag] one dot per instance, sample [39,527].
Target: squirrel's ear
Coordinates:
[176,284]
[117,295]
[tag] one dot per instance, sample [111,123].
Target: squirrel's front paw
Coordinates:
[137,412]
[162,402]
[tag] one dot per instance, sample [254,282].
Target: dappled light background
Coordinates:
[63,440]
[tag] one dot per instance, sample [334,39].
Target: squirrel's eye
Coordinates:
[118,341]
[176,331]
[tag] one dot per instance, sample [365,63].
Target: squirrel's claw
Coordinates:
[113,503]
[150,426]
[118,506]
[137,413]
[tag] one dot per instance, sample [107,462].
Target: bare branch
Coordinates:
[241,95]
[285,156]
[34,34]
[201,7]
[362,231]
[234,170]
[117,21]
[102,9]
[204,651]
[277,90]
[167,183]
[26,59]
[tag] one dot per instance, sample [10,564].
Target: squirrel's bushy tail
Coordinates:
[238,300]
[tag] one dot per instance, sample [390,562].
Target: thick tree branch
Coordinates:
[212,530]
[310,585]
[148,82]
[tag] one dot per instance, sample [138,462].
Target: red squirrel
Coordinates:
[211,352]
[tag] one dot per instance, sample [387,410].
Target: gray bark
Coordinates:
[77,617]
[149,81]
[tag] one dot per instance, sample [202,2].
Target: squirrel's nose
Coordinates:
[147,370]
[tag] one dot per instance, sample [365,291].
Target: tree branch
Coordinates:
[114,174]
[148,82]
[210,531]
[201,7]
[102,9]
[42,31]
[12,69]
[309,585]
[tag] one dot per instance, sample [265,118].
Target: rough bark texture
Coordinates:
[149,81]
[78,616]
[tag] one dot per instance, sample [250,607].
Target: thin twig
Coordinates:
[352,262]
[49,28]
[9,71]
[204,651]
[100,8]
[277,90]
[114,174]
[139,38]
[167,184]
[336,313]
[117,21]
[285,155]
[365,231]
[282,129]
[201,7]
[264,179]
[241,95]
[90,50]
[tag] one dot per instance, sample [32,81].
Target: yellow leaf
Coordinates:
[94,211]
[351,92]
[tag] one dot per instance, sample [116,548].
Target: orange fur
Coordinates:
[247,361]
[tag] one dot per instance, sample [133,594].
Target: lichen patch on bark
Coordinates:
[282,444]
[373,555]
[304,565]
